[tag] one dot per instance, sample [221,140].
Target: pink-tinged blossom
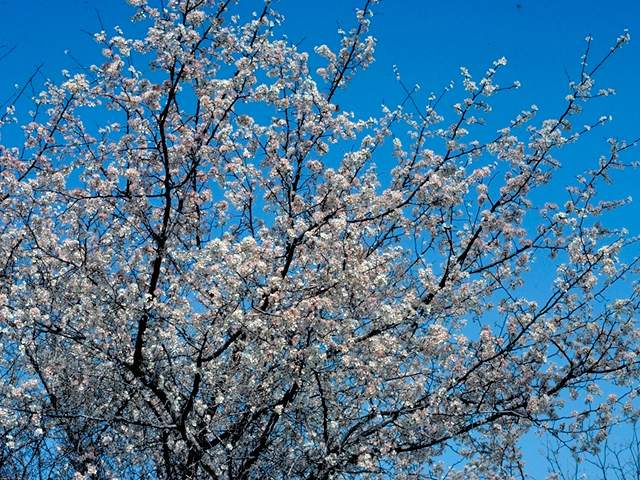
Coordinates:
[218,283]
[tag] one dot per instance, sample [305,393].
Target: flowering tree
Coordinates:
[216,284]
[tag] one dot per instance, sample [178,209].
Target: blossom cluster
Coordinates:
[217,283]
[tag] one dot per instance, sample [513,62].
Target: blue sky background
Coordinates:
[428,41]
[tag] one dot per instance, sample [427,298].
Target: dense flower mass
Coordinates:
[215,283]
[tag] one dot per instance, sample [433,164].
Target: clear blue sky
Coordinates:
[429,41]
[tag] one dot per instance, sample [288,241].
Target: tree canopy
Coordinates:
[203,275]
